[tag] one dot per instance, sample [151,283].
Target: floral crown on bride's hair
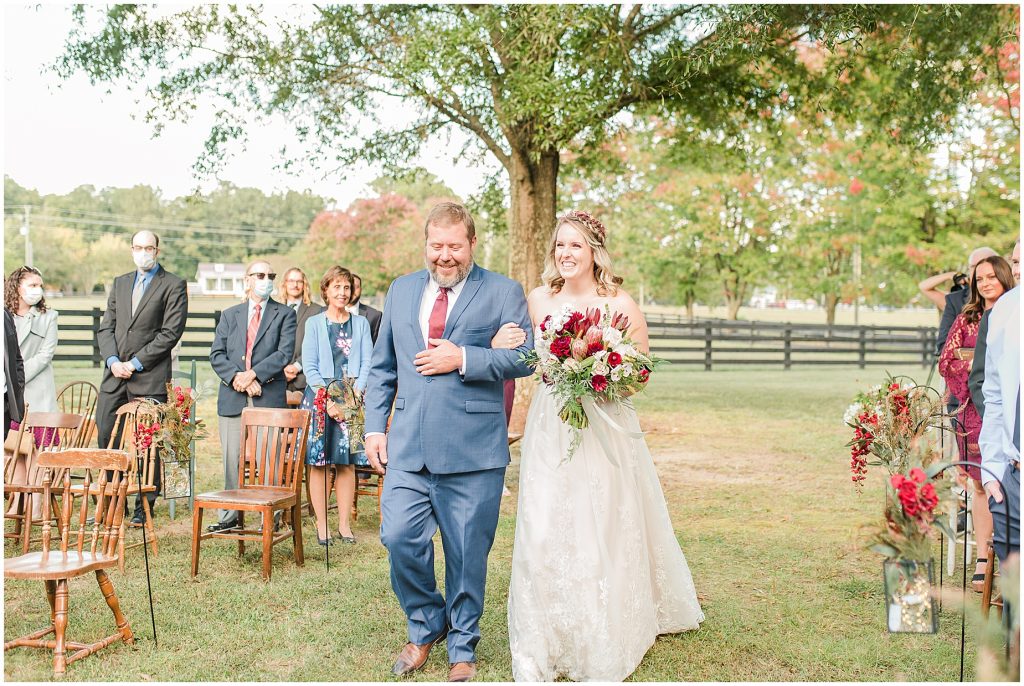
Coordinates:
[589,221]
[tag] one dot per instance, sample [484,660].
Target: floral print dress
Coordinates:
[329,441]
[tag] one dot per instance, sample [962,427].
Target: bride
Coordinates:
[597,573]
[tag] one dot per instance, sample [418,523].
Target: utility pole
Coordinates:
[26,232]
[856,282]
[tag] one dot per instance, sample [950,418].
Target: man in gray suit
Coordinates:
[447,448]
[297,297]
[372,314]
[253,343]
[145,317]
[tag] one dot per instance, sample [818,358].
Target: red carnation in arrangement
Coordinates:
[644,374]
[561,347]
[615,359]
[599,382]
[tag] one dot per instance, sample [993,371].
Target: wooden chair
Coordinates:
[79,397]
[368,482]
[141,474]
[988,600]
[269,480]
[23,476]
[94,549]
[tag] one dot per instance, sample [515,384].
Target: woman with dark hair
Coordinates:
[336,345]
[992,277]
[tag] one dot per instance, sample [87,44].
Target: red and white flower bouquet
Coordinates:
[588,356]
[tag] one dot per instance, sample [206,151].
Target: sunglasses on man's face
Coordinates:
[263,275]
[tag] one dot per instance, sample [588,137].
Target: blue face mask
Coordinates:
[262,288]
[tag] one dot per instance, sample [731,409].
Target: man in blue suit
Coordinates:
[253,344]
[447,447]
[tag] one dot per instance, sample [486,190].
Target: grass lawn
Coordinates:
[756,476]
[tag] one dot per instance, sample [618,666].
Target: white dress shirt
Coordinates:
[427,305]
[1002,383]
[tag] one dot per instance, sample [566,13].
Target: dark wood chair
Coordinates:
[141,474]
[23,476]
[79,397]
[273,451]
[94,548]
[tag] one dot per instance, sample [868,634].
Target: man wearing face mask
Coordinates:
[145,317]
[253,344]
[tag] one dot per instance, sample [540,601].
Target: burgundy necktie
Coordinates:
[438,315]
[250,335]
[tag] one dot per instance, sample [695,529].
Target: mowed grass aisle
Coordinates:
[756,478]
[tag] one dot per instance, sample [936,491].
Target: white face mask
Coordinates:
[262,288]
[31,294]
[144,260]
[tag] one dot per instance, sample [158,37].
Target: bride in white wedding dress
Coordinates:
[597,573]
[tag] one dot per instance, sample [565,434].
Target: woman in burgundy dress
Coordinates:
[992,278]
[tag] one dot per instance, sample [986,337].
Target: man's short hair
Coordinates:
[450,214]
[149,232]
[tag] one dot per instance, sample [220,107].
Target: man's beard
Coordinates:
[461,272]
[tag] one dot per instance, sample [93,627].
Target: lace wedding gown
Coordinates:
[597,573]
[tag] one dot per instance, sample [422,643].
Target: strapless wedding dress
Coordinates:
[597,572]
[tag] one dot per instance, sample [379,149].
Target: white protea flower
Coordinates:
[612,337]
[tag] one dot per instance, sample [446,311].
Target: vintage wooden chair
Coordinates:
[989,598]
[23,476]
[79,397]
[94,548]
[141,474]
[368,482]
[273,451]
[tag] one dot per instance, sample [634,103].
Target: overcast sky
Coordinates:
[62,134]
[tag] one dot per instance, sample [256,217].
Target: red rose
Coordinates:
[614,359]
[644,374]
[929,498]
[561,347]
[599,383]
[918,475]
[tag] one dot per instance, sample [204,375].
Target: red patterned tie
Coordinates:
[250,335]
[435,325]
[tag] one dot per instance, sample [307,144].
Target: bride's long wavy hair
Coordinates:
[594,232]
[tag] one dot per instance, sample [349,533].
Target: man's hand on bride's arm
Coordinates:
[376,447]
[445,358]
[509,337]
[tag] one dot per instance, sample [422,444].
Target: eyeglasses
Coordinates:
[147,249]
[295,281]
[263,275]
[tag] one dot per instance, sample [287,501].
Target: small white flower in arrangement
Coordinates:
[600,354]
[571,365]
[600,368]
[612,336]
[627,369]
[616,374]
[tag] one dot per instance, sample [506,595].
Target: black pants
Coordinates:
[106,411]
[1011,500]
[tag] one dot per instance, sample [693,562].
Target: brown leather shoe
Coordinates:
[414,656]
[462,671]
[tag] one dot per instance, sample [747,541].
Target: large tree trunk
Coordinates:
[533,189]
[831,300]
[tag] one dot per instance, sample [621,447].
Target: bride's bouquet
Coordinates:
[586,357]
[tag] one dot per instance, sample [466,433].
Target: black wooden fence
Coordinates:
[709,343]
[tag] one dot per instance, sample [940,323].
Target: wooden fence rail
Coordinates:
[709,343]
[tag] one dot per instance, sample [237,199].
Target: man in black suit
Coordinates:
[372,314]
[14,375]
[296,289]
[145,317]
[253,344]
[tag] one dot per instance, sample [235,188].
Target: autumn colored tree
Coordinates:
[526,82]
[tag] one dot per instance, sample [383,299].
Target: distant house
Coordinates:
[217,278]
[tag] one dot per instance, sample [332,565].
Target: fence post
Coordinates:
[707,347]
[862,356]
[787,347]
[925,350]
[97,317]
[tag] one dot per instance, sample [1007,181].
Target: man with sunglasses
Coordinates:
[145,317]
[254,342]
